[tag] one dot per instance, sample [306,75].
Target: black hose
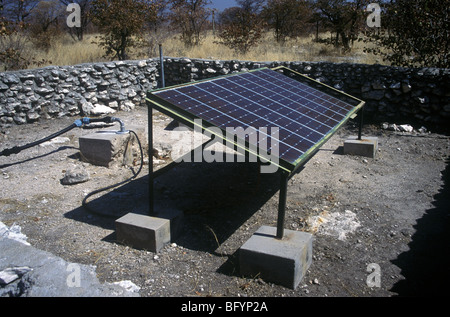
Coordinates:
[84,203]
[79,123]
[76,124]
[18,149]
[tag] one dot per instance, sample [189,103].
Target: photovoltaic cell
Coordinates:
[304,115]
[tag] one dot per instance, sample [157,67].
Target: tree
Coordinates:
[344,16]
[287,18]
[13,40]
[251,6]
[190,17]
[121,23]
[44,23]
[158,29]
[11,44]
[414,33]
[19,10]
[241,27]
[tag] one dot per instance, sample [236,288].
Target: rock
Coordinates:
[87,107]
[393,127]
[142,63]
[44,91]
[101,110]
[45,275]
[423,100]
[9,275]
[396,86]
[374,95]
[128,286]
[13,233]
[378,86]
[20,119]
[162,150]
[422,130]
[11,79]
[113,105]
[127,106]
[209,71]
[406,87]
[75,175]
[57,140]
[405,128]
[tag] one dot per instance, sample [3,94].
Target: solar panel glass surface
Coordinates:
[264,99]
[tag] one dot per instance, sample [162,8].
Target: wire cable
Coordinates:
[18,149]
[85,203]
[77,124]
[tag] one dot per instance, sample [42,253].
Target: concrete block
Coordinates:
[283,262]
[367,146]
[175,217]
[104,148]
[143,232]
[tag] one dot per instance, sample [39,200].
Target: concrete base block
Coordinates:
[143,232]
[175,218]
[105,148]
[282,262]
[367,146]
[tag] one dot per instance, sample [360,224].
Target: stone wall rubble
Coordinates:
[391,93]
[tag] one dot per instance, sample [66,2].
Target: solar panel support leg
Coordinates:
[361,123]
[150,161]
[284,177]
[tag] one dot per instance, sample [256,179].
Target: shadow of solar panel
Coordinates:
[263,101]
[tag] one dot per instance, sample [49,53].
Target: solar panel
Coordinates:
[304,113]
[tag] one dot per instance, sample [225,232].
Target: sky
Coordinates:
[223,4]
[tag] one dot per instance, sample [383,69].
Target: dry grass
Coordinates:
[301,49]
[66,51]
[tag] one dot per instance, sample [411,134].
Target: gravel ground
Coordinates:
[388,215]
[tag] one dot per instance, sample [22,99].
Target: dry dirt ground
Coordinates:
[388,215]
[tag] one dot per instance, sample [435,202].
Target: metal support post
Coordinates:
[161,62]
[150,162]
[361,122]
[284,177]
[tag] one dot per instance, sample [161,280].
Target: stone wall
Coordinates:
[81,90]
[391,93]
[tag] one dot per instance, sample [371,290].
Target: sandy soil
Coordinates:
[390,214]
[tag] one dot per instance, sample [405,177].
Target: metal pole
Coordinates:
[150,140]
[161,61]
[361,122]
[150,162]
[214,22]
[284,177]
